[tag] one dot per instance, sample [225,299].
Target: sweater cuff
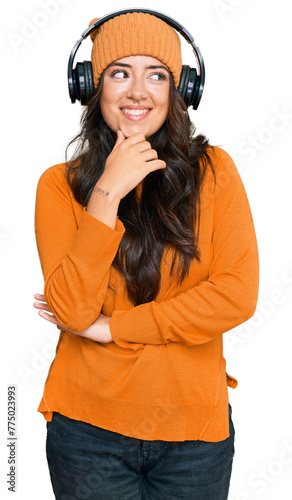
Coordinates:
[95,240]
[117,327]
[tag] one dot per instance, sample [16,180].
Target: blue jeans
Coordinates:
[90,463]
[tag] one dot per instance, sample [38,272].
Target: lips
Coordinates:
[135,112]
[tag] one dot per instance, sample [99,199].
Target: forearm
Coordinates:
[75,255]
[103,204]
[193,317]
[218,303]
[130,161]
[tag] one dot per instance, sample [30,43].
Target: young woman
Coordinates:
[149,254]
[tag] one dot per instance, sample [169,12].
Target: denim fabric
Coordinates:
[90,463]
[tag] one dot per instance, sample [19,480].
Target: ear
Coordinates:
[94,33]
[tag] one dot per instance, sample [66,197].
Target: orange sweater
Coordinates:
[163,376]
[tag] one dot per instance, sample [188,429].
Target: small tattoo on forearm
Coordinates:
[100,191]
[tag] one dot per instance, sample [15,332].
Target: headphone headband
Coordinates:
[171,22]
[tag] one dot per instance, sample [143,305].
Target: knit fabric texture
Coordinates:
[164,375]
[131,34]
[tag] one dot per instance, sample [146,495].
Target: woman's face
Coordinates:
[141,78]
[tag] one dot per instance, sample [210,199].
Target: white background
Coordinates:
[246,109]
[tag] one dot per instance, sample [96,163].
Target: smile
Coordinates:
[135,114]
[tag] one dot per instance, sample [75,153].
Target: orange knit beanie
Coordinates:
[131,34]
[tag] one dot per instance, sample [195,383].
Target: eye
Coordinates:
[119,73]
[158,76]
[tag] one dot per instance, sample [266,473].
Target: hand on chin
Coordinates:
[128,131]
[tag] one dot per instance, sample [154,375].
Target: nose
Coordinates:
[137,89]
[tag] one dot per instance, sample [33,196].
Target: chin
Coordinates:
[128,131]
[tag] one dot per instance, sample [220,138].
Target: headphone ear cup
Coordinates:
[73,86]
[89,82]
[189,86]
[83,80]
[183,83]
[194,88]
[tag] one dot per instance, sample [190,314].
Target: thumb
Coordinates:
[120,138]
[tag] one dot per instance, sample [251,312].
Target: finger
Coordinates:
[120,138]
[143,146]
[155,165]
[40,305]
[49,317]
[39,296]
[52,319]
[149,154]
[135,138]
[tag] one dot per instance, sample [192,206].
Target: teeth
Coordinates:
[135,112]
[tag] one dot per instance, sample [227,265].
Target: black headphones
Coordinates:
[80,79]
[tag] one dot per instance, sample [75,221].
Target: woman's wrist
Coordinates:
[103,207]
[98,190]
[104,189]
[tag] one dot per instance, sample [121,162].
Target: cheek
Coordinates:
[164,106]
[162,100]
[108,111]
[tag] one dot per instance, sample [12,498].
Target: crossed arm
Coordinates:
[99,330]
[77,265]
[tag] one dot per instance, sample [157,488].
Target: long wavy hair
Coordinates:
[167,215]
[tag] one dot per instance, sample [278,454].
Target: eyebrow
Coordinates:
[152,66]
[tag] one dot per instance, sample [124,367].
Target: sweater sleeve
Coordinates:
[226,299]
[75,261]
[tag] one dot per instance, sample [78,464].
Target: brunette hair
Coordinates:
[168,213]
